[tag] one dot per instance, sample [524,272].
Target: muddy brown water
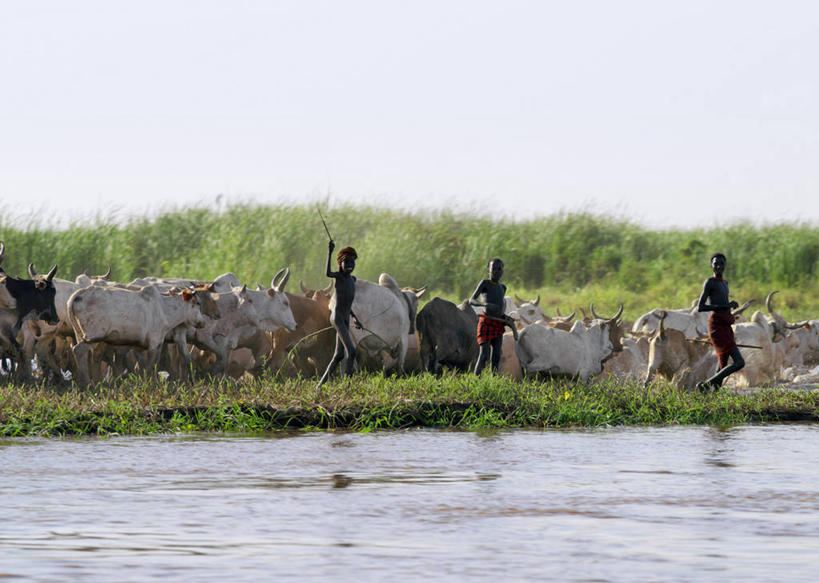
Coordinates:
[671,504]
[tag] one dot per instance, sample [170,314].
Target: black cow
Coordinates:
[447,335]
[29,299]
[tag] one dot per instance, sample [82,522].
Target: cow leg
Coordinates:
[82,352]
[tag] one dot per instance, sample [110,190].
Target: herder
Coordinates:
[492,322]
[340,317]
[715,293]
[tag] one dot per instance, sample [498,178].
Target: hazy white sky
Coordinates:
[674,113]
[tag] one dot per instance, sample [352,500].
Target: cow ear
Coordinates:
[187,294]
[271,292]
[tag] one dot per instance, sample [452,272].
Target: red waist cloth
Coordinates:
[488,329]
[720,332]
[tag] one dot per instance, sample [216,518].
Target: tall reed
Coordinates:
[569,258]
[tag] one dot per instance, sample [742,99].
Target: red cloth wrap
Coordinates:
[489,329]
[720,332]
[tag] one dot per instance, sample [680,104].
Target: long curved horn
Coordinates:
[568,318]
[304,290]
[743,307]
[559,315]
[31,273]
[519,301]
[768,301]
[107,274]
[275,281]
[582,311]
[796,325]
[537,300]
[327,290]
[613,318]
[2,251]
[52,273]
[279,286]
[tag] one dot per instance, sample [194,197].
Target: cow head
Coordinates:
[272,305]
[34,297]
[613,326]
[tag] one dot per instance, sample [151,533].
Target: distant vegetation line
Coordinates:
[567,257]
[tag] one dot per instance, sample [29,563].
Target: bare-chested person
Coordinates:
[492,322]
[340,316]
[715,299]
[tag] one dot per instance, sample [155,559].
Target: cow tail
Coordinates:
[75,321]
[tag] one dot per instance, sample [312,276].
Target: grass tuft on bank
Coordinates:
[372,402]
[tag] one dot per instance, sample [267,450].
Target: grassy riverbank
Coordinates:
[569,259]
[366,403]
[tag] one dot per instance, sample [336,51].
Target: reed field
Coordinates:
[569,259]
[370,402]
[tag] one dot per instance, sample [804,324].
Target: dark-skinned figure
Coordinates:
[340,316]
[492,322]
[715,299]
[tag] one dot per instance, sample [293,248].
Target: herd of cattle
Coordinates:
[92,329]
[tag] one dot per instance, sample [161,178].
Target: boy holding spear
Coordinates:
[715,299]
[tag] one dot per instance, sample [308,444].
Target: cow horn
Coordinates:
[31,273]
[259,286]
[284,280]
[568,318]
[2,251]
[768,302]
[52,273]
[280,279]
[612,319]
[743,307]
[107,274]
[244,289]
[326,291]
[796,325]
[518,301]
[582,311]
[276,277]
[537,300]
[421,291]
[559,315]
[304,290]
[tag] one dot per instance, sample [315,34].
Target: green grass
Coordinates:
[370,402]
[570,259]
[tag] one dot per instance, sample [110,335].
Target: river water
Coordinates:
[624,504]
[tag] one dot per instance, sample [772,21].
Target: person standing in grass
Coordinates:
[715,299]
[340,316]
[493,321]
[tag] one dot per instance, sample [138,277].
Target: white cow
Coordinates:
[386,313]
[803,348]
[579,352]
[140,319]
